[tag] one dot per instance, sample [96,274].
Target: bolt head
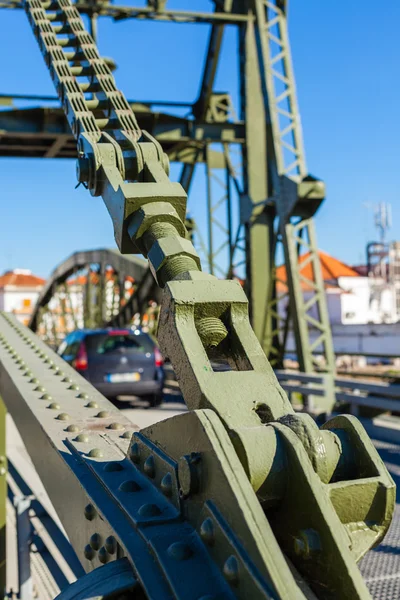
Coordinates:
[103,555]
[90,512]
[179,551]
[135,453]
[166,484]
[83,169]
[231,570]
[207,533]
[149,466]
[95,541]
[88,552]
[111,544]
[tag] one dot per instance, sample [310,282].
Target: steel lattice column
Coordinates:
[295,204]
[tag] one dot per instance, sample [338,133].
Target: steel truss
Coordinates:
[251,216]
[97,288]
[201,504]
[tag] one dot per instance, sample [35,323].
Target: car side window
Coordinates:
[70,346]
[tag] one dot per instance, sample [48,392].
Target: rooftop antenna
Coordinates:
[383,219]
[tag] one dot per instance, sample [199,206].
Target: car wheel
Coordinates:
[155,400]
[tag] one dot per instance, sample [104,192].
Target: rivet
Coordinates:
[103,414]
[90,512]
[127,435]
[88,552]
[82,437]
[95,541]
[46,397]
[27,373]
[67,380]
[92,404]
[83,395]
[111,544]
[129,486]
[63,417]
[207,531]
[59,373]
[149,466]
[72,428]
[113,466]
[231,570]
[54,406]
[95,453]
[103,555]
[149,510]
[166,484]
[3,471]
[116,426]
[135,452]
[179,551]
[39,388]
[73,386]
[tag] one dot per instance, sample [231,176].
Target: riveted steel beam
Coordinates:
[241,427]
[119,13]
[44,132]
[78,443]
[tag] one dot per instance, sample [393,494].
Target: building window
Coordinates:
[26,302]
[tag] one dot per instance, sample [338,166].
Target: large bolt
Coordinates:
[188,474]
[83,169]
[211,331]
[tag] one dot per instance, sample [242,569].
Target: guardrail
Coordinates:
[384,396]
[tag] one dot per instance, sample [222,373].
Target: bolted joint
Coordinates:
[189,474]
[83,169]
[212,331]
[152,221]
[171,256]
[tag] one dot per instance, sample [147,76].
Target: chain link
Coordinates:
[57,26]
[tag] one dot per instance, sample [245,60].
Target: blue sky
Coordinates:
[346,57]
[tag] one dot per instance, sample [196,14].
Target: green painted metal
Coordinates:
[3,499]
[295,205]
[272,146]
[216,484]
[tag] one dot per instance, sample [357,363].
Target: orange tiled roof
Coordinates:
[332,269]
[18,279]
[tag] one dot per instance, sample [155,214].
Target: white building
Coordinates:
[19,290]
[363,311]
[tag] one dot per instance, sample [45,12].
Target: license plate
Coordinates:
[122,377]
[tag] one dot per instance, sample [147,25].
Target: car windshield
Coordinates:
[131,342]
